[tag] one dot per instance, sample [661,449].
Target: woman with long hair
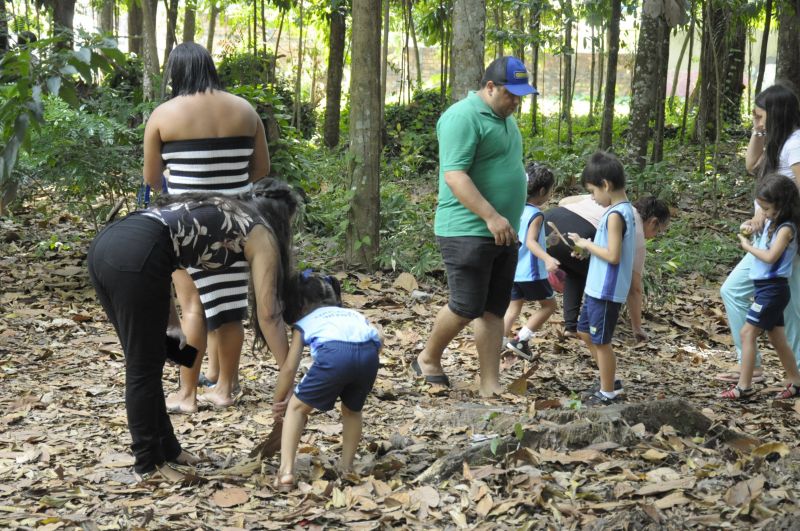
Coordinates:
[209,141]
[131,263]
[774,148]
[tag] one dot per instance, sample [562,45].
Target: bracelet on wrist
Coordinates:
[759,133]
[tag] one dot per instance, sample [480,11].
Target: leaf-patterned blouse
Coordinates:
[208,234]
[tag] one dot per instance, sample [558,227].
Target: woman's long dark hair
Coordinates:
[781,192]
[276,203]
[783,118]
[190,69]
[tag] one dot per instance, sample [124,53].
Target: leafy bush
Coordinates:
[411,142]
[83,155]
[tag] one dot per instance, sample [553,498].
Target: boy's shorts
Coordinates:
[534,290]
[340,370]
[771,298]
[598,319]
[479,274]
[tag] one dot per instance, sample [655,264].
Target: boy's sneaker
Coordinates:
[599,399]
[520,348]
[596,387]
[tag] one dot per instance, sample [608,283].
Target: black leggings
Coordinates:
[130,266]
[576,269]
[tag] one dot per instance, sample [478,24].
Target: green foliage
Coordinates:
[411,142]
[84,154]
[245,68]
[28,74]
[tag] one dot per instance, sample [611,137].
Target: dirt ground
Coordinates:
[64,460]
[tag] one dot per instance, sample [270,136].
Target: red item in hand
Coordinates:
[556,279]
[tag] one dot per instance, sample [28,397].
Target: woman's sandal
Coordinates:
[791,391]
[281,485]
[737,393]
[160,474]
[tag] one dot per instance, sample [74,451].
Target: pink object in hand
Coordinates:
[556,279]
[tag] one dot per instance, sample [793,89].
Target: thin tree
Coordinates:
[606,129]
[466,57]
[106,16]
[788,64]
[189,20]
[385,55]
[535,24]
[296,115]
[762,56]
[333,85]
[363,217]
[151,68]
[135,27]
[686,97]
[212,24]
[3,28]
[172,21]
[567,83]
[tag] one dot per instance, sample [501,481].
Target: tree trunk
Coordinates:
[466,53]
[714,54]
[601,68]
[333,85]
[678,65]
[63,15]
[107,17]
[535,16]
[762,56]
[362,234]
[296,118]
[566,82]
[189,20]
[172,21]
[151,69]
[417,59]
[734,60]
[592,68]
[3,28]
[212,25]
[661,94]
[686,98]
[277,46]
[135,28]
[645,80]
[788,67]
[384,55]
[606,129]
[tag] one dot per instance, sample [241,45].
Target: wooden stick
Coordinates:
[558,233]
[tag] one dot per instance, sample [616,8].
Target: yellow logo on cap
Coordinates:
[521,75]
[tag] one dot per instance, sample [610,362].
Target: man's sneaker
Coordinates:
[596,387]
[520,348]
[599,399]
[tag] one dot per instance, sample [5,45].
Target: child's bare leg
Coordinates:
[607,363]
[546,308]
[587,340]
[749,334]
[293,423]
[777,337]
[511,316]
[351,436]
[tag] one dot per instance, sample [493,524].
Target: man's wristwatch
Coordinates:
[756,132]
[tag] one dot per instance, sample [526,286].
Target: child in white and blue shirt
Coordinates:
[773,253]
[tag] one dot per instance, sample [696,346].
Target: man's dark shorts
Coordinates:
[598,319]
[534,290]
[771,298]
[479,274]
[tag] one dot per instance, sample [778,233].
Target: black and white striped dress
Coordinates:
[218,165]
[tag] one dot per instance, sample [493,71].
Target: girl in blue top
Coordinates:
[345,350]
[533,264]
[610,268]
[773,253]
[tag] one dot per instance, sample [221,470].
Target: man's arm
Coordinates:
[467,193]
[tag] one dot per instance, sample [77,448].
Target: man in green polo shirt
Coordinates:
[482,187]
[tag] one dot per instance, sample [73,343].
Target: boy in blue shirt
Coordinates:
[610,268]
[533,264]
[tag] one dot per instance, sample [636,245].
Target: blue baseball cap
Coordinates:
[511,73]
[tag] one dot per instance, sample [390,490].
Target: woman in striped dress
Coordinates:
[209,141]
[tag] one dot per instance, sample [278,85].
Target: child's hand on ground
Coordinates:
[640,335]
[551,264]
[279,408]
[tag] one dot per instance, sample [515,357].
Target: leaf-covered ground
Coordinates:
[64,460]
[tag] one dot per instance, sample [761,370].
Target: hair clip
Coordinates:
[306,274]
